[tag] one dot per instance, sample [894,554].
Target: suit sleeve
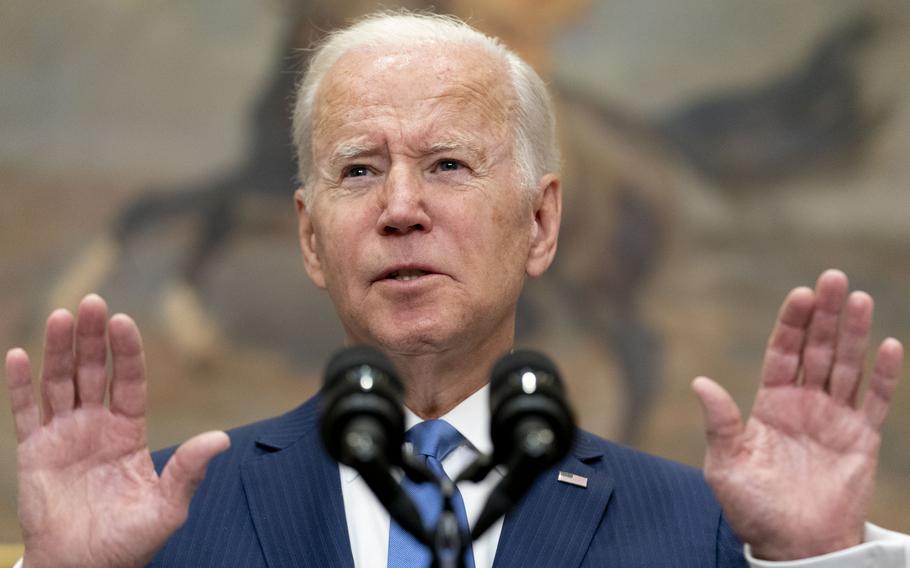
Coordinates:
[881,549]
[729,547]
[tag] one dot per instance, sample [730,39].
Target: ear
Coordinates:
[547,204]
[307,234]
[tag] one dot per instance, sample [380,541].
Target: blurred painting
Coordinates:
[715,154]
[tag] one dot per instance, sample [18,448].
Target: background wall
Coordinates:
[715,158]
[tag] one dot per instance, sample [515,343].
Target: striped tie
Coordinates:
[433,440]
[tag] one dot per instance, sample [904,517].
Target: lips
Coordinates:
[405,273]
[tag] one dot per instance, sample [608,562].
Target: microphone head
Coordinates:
[362,390]
[527,394]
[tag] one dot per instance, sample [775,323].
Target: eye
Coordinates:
[356,171]
[447,165]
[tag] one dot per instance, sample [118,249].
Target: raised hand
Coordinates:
[797,478]
[88,492]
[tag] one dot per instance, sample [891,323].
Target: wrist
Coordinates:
[33,560]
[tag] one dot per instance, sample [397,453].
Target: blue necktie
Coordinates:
[433,440]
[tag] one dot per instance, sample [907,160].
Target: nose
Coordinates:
[403,204]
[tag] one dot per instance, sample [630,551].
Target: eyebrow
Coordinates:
[349,150]
[451,144]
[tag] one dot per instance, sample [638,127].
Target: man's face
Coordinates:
[418,227]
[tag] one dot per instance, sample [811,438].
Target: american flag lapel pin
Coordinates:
[572,479]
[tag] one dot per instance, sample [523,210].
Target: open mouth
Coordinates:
[406,274]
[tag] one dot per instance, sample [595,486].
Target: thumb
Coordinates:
[186,468]
[723,422]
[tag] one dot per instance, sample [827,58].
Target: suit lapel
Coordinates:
[294,494]
[555,522]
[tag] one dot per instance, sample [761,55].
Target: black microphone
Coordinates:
[362,426]
[531,425]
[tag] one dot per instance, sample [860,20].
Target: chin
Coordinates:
[414,337]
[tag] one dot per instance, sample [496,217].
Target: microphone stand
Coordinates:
[362,426]
[446,541]
[365,457]
[449,542]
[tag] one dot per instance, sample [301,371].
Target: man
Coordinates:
[428,162]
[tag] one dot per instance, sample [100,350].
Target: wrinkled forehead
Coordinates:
[463,79]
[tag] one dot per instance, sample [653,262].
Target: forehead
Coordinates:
[414,84]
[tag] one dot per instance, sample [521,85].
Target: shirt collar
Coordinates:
[471,418]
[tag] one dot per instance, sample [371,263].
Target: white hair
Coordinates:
[536,151]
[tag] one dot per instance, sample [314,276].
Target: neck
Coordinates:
[435,383]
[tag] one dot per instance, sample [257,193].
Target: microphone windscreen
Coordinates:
[361,393]
[531,426]
[525,389]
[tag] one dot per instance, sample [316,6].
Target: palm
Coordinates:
[834,483]
[108,486]
[88,492]
[797,478]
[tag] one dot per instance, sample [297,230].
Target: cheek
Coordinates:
[348,237]
[513,222]
[337,249]
[503,243]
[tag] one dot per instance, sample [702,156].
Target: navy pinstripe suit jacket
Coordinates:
[274,499]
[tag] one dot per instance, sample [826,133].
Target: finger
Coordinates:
[57,388]
[884,380]
[852,342]
[818,356]
[128,390]
[186,468]
[723,422]
[22,402]
[785,345]
[91,351]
